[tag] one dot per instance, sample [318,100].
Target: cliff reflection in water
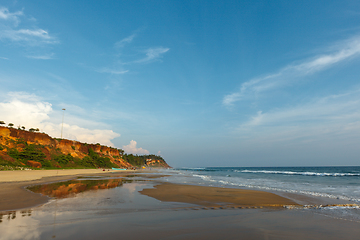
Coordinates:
[9,215]
[72,187]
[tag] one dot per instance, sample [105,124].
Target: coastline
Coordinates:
[146,205]
[15,196]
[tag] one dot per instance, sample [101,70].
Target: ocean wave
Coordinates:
[329,207]
[204,177]
[191,169]
[321,174]
[273,188]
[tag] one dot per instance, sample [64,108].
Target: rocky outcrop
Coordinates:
[30,137]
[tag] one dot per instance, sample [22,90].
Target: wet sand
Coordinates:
[13,194]
[215,197]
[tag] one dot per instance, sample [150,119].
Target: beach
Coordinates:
[148,204]
[13,194]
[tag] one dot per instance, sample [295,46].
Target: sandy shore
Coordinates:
[17,176]
[13,194]
[215,197]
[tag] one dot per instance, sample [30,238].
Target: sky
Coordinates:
[201,83]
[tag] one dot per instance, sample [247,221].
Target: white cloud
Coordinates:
[40,33]
[8,16]
[152,54]
[31,111]
[131,148]
[33,37]
[80,134]
[24,109]
[342,52]
[4,58]
[124,41]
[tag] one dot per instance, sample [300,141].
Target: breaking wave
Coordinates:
[322,174]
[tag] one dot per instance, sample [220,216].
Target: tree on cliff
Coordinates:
[11,124]
[2,122]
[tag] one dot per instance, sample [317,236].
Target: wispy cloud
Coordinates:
[4,58]
[42,57]
[124,41]
[112,71]
[335,114]
[344,51]
[152,54]
[8,16]
[33,36]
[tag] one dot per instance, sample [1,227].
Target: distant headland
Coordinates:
[22,149]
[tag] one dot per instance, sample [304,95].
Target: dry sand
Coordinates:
[17,176]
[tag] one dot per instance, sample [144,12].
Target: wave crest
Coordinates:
[322,174]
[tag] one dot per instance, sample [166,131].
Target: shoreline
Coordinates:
[15,196]
[145,205]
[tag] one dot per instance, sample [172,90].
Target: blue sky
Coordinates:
[203,83]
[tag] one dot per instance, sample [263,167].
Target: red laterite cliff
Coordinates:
[11,138]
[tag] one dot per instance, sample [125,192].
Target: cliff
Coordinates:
[16,144]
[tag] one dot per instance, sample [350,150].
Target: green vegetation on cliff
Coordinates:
[33,152]
[30,152]
[21,149]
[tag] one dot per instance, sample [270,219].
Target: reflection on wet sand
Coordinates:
[72,187]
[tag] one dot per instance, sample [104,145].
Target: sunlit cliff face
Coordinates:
[10,136]
[70,188]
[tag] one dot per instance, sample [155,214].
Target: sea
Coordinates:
[335,191]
